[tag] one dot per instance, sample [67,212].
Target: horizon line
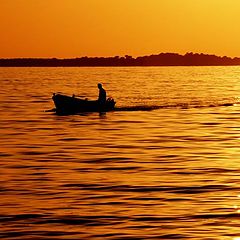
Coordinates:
[120,56]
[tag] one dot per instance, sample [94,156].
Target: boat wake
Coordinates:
[172,106]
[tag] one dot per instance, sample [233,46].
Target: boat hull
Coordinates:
[68,105]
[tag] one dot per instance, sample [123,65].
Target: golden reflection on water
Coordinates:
[168,173]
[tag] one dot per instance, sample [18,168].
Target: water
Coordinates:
[136,173]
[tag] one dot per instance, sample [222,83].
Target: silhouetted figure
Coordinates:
[102,97]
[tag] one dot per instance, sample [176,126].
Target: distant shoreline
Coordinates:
[162,59]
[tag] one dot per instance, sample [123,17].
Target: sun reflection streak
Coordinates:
[236,207]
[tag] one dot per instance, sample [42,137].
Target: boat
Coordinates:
[70,104]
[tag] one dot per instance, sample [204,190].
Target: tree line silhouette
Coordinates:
[162,59]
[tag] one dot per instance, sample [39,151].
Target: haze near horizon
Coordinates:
[76,28]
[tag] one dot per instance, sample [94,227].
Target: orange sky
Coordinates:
[75,28]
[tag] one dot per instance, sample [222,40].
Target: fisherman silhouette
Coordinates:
[102,95]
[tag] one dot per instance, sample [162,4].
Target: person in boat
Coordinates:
[102,96]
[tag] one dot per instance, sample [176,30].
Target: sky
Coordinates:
[77,28]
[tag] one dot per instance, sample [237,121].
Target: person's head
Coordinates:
[99,85]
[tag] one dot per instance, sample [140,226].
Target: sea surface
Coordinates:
[164,165]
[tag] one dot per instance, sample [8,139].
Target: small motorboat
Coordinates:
[71,104]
